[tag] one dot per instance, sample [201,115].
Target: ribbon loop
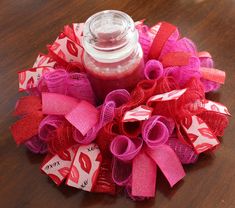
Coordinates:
[124,148]
[156,131]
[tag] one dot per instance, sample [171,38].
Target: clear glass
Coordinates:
[113,57]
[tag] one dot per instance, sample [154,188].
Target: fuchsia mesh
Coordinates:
[107,112]
[184,152]
[75,85]
[153,69]
[36,145]
[57,132]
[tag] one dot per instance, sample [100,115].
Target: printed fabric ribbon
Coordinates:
[78,164]
[199,134]
[65,52]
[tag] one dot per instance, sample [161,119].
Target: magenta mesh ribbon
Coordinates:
[183,44]
[153,69]
[107,111]
[156,131]
[124,148]
[183,74]
[75,85]
[184,152]
[48,125]
[121,172]
[118,97]
[36,145]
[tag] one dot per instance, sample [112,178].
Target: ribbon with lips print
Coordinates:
[29,78]
[67,49]
[199,134]
[137,164]
[85,167]
[44,60]
[133,119]
[58,167]
[79,165]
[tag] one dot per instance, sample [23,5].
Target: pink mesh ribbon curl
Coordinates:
[72,84]
[107,112]
[157,130]
[36,145]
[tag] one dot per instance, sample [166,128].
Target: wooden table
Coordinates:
[28,25]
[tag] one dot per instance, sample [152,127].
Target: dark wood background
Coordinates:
[26,26]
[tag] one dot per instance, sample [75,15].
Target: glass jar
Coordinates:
[113,57]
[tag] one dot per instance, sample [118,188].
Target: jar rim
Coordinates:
[109,36]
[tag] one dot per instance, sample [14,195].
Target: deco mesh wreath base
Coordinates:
[166,121]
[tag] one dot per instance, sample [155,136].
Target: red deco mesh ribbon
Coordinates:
[30,108]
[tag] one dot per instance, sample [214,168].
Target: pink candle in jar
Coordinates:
[113,57]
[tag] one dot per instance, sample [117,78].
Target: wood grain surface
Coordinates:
[26,26]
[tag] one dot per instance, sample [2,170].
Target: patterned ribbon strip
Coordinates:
[29,78]
[199,134]
[79,164]
[140,113]
[66,50]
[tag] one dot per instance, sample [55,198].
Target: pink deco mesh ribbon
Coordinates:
[139,166]
[75,85]
[107,112]
[169,44]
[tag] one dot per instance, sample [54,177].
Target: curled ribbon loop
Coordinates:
[121,172]
[124,148]
[48,125]
[119,97]
[106,116]
[153,69]
[156,131]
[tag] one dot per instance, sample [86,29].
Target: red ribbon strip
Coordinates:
[26,127]
[165,31]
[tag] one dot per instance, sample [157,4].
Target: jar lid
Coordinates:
[109,36]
